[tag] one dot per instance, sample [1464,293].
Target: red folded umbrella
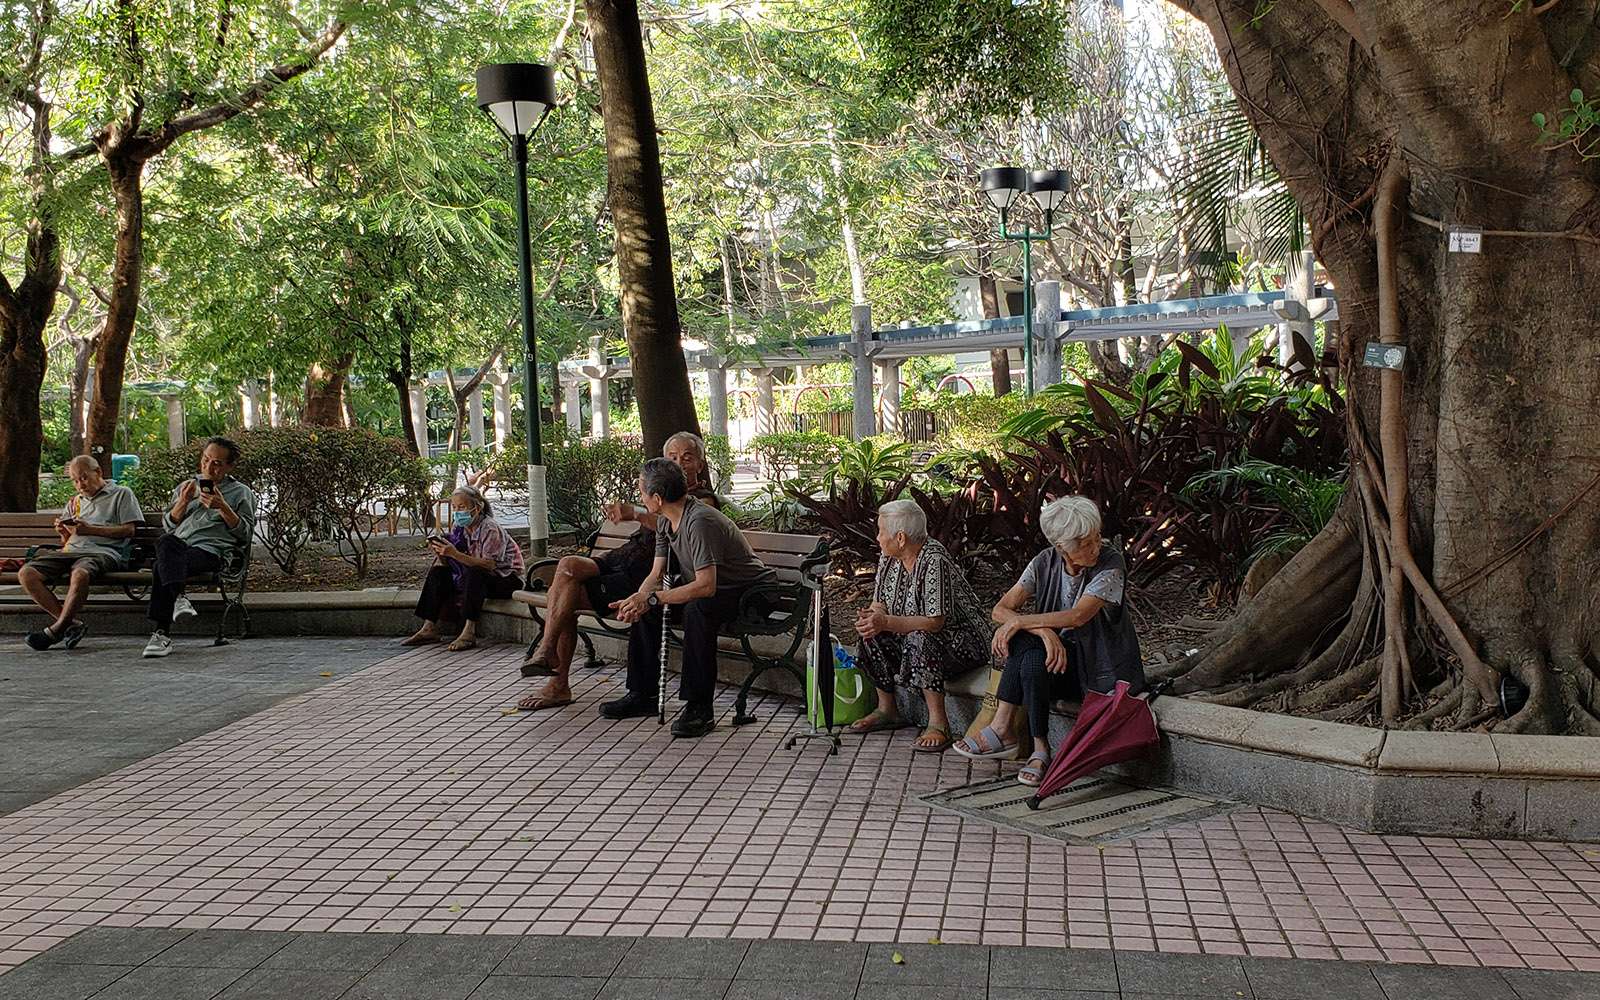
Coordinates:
[1111,728]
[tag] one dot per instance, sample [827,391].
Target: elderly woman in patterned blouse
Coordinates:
[923,626]
[477,559]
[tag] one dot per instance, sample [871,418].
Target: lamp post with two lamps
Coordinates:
[517,97]
[1048,188]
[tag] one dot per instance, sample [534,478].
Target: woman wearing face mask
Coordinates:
[475,561]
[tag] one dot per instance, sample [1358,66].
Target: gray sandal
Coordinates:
[1032,773]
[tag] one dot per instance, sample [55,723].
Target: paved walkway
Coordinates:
[406,797]
[112,964]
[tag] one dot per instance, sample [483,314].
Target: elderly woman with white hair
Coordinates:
[1079,638]
[476,560]
[923,626]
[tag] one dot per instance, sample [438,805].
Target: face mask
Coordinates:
[461,518]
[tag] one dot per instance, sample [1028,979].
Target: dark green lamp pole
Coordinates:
[1048,188]
[517,97]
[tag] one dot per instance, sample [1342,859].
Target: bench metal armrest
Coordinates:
[758,602]
[541,575]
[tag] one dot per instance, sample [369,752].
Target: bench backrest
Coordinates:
[787,555]
[21,532]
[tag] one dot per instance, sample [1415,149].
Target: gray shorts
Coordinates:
[55,566]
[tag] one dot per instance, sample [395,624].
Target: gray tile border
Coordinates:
[1189,975]
[1025,993]
[949,965]
[836,962]
[1541,984]
[538,988]
[414,984]
[45,981]
[115,945]
[789,989]
[665,989]
[291,984]
[336,952]
[1309,979]
[152,982]
[682,958]
[1414,982]
[576,957]
[223,949]
[1070,969]
[452,953]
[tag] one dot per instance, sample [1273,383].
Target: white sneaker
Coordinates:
[160,644]
[181,608]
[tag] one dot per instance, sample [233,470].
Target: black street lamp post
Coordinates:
[1048,188]
[517,97]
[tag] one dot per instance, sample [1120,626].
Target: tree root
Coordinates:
[1445,706]
[1340,689]
[1337,655]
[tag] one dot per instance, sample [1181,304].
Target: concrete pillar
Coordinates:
[1298,281]
[1046,330]
[599,391]
[475,418]
[717,381]
[889,396]
[419,416]
[766,407]
[866,419]
[574,401]
[502,409]
[177,430]
[249,404]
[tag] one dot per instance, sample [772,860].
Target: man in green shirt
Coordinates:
[211,519]
[96,531]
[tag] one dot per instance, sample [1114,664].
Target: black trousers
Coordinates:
[702,620]
[176,561]
[439,592]
[1026,682]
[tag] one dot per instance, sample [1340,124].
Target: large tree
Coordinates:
[639,213]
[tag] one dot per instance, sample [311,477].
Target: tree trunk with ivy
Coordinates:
[639,213]
[1468,547]
[326,385]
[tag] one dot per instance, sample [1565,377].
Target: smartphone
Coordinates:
[438,540]
[207,486]
[69,521]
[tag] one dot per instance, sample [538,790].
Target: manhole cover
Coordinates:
[1088,811]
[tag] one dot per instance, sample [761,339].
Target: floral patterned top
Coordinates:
[935,588]
[486,540]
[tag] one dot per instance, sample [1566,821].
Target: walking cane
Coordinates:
[661,679]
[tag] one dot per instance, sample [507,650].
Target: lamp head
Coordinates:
[1048,188]
[516,95]
[1002,185]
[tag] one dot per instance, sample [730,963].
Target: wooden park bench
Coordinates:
[781,609]
[24,535]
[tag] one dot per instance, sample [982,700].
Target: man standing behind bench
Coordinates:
[96,532]
[712,551]
[211,518]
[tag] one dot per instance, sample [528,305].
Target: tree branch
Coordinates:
[1343,13]
[222,111]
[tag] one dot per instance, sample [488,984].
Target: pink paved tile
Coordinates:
[405,798]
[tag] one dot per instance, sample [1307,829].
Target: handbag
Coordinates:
[854,696]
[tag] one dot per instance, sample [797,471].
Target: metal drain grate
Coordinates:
[1089,811]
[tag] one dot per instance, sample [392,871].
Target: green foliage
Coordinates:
[1306,500]
[720,460]
[311,483]
[876,460]
[55,491]
[971,58]
[1574,125]
[581,476]
[797,454]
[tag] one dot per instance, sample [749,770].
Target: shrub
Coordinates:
[581,476]
[311,484]
[55,491]
[719,457]
[797,454]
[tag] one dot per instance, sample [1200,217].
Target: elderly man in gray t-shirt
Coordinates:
[712,552]
[96,531]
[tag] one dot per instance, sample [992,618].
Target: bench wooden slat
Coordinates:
[768,541]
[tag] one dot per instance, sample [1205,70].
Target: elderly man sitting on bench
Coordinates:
[582,584]
[713,553]
[96,532]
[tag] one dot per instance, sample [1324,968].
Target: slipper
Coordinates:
[939,747]
[985,745]
[461,645]
[538,703]
[1031,773]
[537,668]
[883,722]
[421,640]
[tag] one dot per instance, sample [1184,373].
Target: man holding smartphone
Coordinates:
[212,516]
[96,531]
